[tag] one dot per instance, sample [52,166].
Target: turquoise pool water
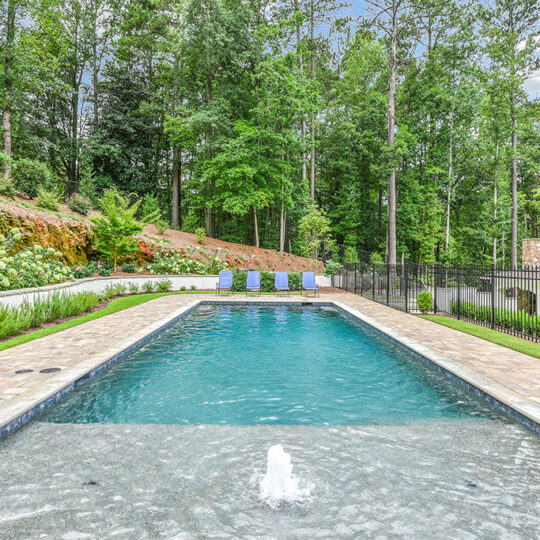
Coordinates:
[286,365]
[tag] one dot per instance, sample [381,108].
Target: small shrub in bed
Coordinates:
[201,235]
[164,285]
[133,288]
[148,286]
[193,287]
[47,198]
[129,268]
[79,203]
[183,288]
[425,301]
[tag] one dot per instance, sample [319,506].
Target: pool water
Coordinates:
[287,365]
[171,442]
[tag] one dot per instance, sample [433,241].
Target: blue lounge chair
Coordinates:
[253,282]
[309,283]
[281,282]
[225,281]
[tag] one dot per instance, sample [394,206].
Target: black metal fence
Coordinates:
[505,300]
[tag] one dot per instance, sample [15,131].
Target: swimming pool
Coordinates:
[249,365]
[171,440]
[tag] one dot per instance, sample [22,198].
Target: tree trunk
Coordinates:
[514,240]
[8,81]
[175,219]
[282,221]
[449,194]
[303,123]
[256,227]
[312,168]
[495,196]
[391,231]
[209,212]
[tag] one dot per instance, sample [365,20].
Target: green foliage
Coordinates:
[425,301]
[116,227]
[376,258]
[79,203]
[201,235]
[92,268]
[314,229]
[151,213]
[267,281]
[514,320]
[164,285]
[193,287]
[29,175]
[5,161]
[183,288]
[55,306]
[47,198]
[331,268]
[133,288]
[7,187]
[129,268]
[114,290]
[148,286]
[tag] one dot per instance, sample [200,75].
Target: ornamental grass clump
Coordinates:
[32,267]
[55,306]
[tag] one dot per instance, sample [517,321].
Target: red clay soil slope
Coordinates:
[71,233]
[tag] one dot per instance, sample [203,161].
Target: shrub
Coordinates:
[90,269]
[79,203]
[267,281]
[517,321]
[32,267]
[425,301]
[183,288]
[47,198]
[201,235]
[7,187]
[133,288]
[28,175]
[129,268]
[148,286]
[314,230]
[151,213]
[5,162]
[87,190]
[179,262]
[331,268]
[376,258]
[116,227]
[193,287]
[164,285]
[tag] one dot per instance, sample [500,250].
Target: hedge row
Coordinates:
[516,321]
[267,281]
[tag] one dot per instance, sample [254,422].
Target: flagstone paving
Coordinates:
[80,349]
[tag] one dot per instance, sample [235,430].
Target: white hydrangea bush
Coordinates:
[32,267]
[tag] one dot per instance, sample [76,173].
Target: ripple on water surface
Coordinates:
[451,479]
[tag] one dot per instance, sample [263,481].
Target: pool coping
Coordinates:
[20,410]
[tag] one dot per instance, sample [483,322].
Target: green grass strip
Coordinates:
[500,338]
[119,304]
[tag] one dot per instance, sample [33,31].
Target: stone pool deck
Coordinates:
[510,377]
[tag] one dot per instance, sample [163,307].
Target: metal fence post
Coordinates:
[459,291]
[387,284]
[492,296]
[406,271]
[355,278]
[435,289]
[373,283]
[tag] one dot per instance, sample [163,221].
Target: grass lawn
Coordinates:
[500,338]
[113,306]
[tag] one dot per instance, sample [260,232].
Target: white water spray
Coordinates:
[279,484]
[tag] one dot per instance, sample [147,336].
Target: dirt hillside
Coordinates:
[72,234]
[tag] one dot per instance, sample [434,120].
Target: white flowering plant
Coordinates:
[32,267]
[191,261]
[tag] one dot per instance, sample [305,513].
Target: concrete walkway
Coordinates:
[511,377]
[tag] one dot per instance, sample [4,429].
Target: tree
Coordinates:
[511,34]
[314,229]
